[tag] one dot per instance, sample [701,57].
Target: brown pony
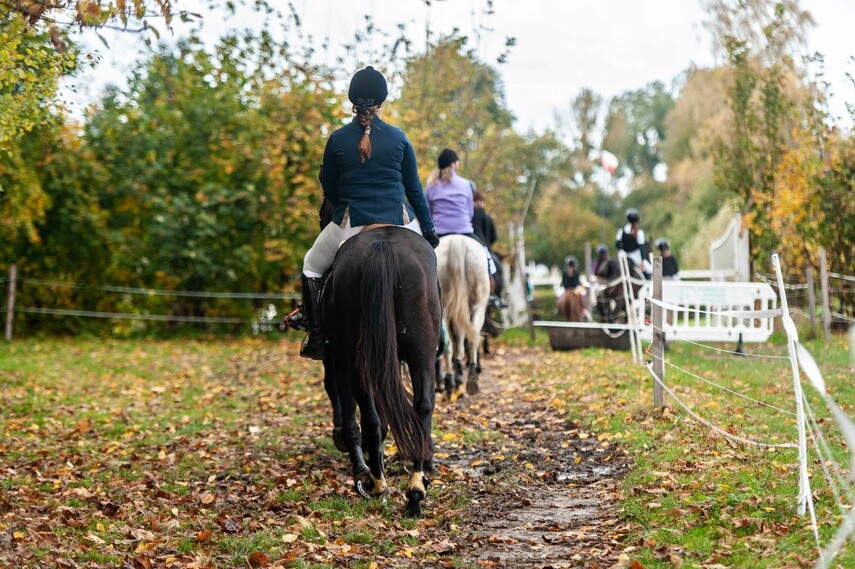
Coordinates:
[573,304]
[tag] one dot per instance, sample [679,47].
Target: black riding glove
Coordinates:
[432,238]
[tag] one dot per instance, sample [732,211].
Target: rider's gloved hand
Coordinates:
[432,238]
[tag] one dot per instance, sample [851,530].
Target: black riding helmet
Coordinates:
[602,250]
[570,260]
[633,215]
[662,244]
[367,88]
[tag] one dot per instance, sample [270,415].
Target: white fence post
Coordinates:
[826,304]
[658,334]
[804,481]
[629,307]
[852,343]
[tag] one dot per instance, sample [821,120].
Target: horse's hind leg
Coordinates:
[458,372]
[373,432]
[473,368]
[349,430]
[453,369]
[332,393]
[423,403]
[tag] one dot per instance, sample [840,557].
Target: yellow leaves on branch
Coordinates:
[794,214]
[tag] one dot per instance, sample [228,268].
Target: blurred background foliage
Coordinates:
[201,174]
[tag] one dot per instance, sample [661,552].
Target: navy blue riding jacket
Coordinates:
[373,191]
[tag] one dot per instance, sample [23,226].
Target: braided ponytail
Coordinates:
[365,115]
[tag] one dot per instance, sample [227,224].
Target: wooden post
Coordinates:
[826,304]
[852,343]
[658,334]
[811,299]
[587,270]
[10,300]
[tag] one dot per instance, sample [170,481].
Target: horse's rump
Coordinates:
[454,263]
[381,306]
[465,279]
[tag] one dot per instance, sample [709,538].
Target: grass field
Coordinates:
[215,453]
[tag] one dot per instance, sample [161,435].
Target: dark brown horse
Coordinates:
[611,303]
[381,307]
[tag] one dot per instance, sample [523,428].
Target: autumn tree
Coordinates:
[635,127]
[69,243]
[213,163]
[763,103]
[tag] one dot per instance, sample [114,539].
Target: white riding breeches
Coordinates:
[490,262]
[321,255]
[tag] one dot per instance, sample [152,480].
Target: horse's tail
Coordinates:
[457,304]
[377,359]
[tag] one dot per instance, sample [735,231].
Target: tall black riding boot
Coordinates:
[313,346]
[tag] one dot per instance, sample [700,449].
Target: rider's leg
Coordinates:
[317,260]
[313,347]
[495,301]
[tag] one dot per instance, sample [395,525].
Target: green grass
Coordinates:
[690,493]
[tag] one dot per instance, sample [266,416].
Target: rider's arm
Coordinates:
[329,173]
[413,188]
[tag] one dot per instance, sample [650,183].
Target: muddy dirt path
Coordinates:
[547,489]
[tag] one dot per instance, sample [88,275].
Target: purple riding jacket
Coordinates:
[451,205]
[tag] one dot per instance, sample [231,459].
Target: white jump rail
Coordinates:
[700,312]
[710,311]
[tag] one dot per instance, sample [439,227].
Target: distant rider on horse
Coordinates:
[368,168]
[450,198]
[630,239]
[570,278]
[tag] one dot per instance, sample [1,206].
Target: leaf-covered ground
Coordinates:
[197,454]
[187,453]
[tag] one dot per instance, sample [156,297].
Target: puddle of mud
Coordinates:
[560,528]
[586,475]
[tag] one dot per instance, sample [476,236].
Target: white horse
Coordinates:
[464,277]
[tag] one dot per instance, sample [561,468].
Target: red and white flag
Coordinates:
[609,161]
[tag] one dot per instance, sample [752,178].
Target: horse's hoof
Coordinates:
[414,505]
[448,383]
[338,439]
[458,379]
[472,387]
[369,487]
[363,483]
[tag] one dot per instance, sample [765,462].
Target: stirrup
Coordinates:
[312,347]
[496,302]
[296,320]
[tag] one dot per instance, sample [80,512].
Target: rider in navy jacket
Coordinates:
[368,168]
[373,191]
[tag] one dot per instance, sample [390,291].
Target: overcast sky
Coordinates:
[562,46]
